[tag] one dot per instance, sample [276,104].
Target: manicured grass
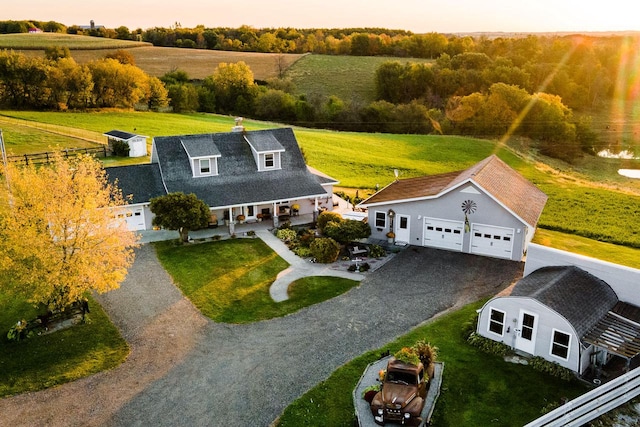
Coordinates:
[27,140]
[142,123]
[347,77]
[588,247]
[66,355]
[71,41]
[229,280]
[478,389]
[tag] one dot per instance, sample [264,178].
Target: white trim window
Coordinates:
[205,166]
[496,321]
[380,219]
[269,160]
[560,344]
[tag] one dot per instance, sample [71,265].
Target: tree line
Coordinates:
[56,81]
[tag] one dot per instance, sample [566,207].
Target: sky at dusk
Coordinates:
[420,16]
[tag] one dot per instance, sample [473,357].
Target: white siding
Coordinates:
[547,321]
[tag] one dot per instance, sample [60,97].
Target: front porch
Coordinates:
[147,236]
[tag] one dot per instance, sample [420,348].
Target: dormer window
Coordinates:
[269,161]
[203,155]
[205,167]
[267,151]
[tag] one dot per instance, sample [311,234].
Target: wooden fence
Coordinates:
[591,405]
[42,158]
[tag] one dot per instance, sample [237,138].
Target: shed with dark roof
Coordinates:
[565,315]
[488,209]
[135,144]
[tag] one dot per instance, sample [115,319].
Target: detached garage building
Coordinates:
[488,209]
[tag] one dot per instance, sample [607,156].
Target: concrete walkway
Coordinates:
[298,268]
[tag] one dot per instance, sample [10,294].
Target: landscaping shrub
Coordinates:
[326,217]
[377,251]
[551,368]
[325,250]
[120,148]
[489,346]
[305,237]
[469,327]
[302,251]
[346,231]
[286,234]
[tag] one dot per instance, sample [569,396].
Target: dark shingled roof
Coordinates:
[263,142]
[579,296]
[120,134]
[200,146]
[142,182]
[238,180]
[492,174]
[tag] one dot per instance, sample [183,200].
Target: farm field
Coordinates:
[155,61]
[606,208]
[347,77]
[40,41]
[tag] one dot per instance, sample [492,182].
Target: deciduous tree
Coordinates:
[58,236]
[179,211]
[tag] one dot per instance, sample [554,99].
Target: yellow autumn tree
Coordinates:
[59,237]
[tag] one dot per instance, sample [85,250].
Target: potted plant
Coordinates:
[295,208]
[390,236]
[240,218]
[369,392]
[428,355]
[259,217]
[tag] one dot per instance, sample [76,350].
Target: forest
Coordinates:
[544,87]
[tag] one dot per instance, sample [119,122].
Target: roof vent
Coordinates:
[238,127]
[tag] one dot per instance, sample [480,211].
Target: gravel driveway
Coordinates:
[185,370]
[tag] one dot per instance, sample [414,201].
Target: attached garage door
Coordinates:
[443,233]
[491,240]
[135,218]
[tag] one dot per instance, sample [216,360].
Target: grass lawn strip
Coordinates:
[478,389]
[229,280]
[59,357]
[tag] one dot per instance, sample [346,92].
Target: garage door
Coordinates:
[134,218]
[443,233]
[491,240]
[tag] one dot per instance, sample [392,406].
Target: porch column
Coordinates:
[231,228]
[275,216]
[315,210]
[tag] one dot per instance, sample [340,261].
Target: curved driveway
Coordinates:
[185,370]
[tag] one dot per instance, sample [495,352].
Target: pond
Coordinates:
[630,173]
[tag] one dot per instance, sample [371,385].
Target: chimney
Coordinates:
[238,127]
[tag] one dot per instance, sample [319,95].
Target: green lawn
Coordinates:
[44,361]
[347,77]
[588,247]
[478,389]
[27,140]
[229,280]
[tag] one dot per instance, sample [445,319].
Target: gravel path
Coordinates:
[185,370]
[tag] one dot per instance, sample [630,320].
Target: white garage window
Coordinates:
[560,344]
[496,321]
